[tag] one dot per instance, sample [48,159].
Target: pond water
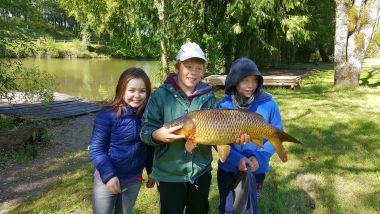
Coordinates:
[93,79]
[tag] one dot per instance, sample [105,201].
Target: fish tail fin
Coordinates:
[280,150]
[223,151]
[286,137]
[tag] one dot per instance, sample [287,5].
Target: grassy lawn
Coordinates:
[337,170]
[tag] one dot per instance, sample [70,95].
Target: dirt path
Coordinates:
[19,181]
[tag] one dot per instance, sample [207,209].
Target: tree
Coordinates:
[355,24]
[264,30]
[160,5]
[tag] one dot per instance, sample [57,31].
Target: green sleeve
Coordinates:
[151,120]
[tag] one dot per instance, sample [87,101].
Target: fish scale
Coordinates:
[222,127]
[226,126]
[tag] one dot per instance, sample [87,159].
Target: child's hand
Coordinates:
[252,161]
[167,135]
[150,183]
[244,138]
[255,163]
[242,165]
[113,185]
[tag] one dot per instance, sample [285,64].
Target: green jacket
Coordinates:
[171,162]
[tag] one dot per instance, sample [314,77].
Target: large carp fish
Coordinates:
[222,127]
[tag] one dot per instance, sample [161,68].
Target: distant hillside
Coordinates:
[17,28]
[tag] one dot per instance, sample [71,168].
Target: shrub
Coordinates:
[31,82]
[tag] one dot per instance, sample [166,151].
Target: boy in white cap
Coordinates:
[183,178]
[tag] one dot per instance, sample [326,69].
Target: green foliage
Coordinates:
[315,57]
[18,28]
[17,49]
[6,122]
[45,47]
[226,30]
[31,82]
[295,29]
[24,154]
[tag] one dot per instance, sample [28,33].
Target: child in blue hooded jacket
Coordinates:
[116,150]
[243,91]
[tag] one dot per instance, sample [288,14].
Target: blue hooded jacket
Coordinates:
[262,104]
[116,148]
[267,107]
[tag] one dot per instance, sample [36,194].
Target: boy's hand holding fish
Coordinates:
[167,135]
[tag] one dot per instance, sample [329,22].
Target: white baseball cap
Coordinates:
[190,50]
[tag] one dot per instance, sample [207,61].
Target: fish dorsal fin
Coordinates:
[257,115]
[223,151]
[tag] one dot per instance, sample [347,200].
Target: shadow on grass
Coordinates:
[330,147]
[328,156]
[371,200]
[373,73]
[52,189]
[279,198]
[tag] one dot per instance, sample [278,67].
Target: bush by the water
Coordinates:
[30,83]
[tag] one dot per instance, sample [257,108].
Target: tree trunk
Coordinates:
[355,25]
[161,16]
[323,52]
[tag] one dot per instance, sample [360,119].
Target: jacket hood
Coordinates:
[240,69]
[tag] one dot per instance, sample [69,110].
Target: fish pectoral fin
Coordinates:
[223,151]
[258,142]
[190,145]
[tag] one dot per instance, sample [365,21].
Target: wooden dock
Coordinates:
[63,106]
[292,81]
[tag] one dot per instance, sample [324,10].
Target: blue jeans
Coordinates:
[103,201]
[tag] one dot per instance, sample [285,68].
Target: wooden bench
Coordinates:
[282,81]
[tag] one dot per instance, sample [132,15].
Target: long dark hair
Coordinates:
[125,77]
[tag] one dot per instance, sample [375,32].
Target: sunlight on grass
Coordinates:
[336,170]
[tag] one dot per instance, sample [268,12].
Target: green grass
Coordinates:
[336,170]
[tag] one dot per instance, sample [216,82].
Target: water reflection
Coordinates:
[93,79]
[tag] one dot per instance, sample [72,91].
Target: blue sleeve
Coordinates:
[263,155]
[234,157]
[275,117]
[100,144]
